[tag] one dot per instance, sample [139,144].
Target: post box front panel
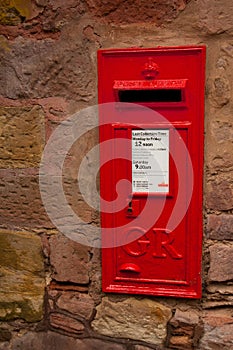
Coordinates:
[162,163]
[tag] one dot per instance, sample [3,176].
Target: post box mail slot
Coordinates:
[149,91]
[151,153]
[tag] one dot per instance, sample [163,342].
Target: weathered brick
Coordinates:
[5,335]
[219,143]
[221,130]
[79,304]
[221,288]
[58,12]
[22,136]
[221,90]
[218,295]
[55,341]
[218,330]
[214,17]
[59,4]
[122,12]
[221,256]
[184,329]
[227,48]
[180,342]
[45,71]
[220,227]
[188,317]
[96,344]
[43,341]
[141,347]
[95,287]
[21,276]
[5,346]
[69,260]
[144,319]
[21,203]
[66,323]
[219,193]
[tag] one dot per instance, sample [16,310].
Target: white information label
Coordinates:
[150,160]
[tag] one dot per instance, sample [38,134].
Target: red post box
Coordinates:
[151,153]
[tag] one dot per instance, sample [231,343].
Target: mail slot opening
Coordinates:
[155,95]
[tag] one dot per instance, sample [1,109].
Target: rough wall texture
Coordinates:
[50,285]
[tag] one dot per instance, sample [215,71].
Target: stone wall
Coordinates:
[50,294]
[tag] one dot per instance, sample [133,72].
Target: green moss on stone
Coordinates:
[13,12]
[20,309]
